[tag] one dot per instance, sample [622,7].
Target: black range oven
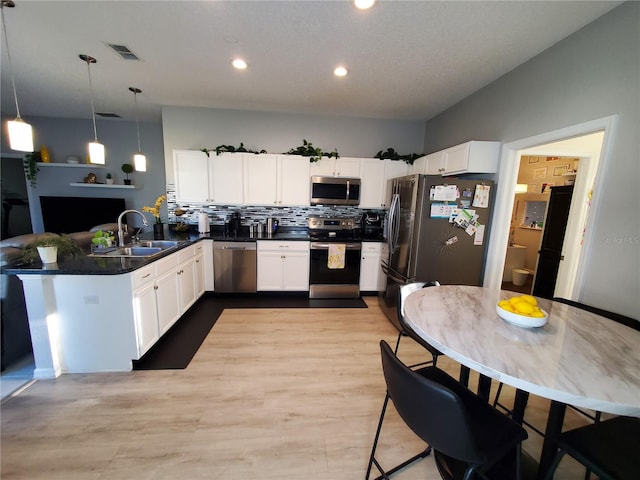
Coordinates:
[334,270]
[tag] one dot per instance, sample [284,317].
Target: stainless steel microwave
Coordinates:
[335,191]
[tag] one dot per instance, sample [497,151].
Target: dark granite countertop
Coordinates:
[87,265]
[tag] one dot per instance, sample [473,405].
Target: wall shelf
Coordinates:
[70,165]
[104,185]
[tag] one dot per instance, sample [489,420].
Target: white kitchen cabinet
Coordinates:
[199,276]
[214,179]
[276,180]
[374,175]
[432,164]
[145,311]
[371,276]
[186,273]
[283,266]
[167,292]
[336,167]
[470,157]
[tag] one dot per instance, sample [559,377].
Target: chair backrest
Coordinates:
[434,412]
[616,317]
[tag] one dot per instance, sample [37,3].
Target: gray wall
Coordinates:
[64,137]
[196,128]
[591,74]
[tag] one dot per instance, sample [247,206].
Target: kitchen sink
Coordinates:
[133,251]
[159,243]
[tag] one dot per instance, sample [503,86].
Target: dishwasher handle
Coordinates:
[234,245]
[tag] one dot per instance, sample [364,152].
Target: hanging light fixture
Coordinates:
[20,132]
[139,160]
[96,149]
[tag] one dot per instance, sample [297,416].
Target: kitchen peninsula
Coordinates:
[97,314]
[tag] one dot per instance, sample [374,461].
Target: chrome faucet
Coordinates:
[120,232]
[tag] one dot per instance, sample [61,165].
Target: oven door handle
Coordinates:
[325,246]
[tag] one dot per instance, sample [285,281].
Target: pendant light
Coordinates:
[20,132]
[139,160]
[96,149]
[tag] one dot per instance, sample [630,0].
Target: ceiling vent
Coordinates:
[108,115]
[124,52]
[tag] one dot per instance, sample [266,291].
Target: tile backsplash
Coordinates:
[287,216]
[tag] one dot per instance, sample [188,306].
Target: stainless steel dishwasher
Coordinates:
[234,267]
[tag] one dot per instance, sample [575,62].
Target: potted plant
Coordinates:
[158,227]
[30,164]
[102,239]
[314,153]
[109,179]
[127,168]
[50,248]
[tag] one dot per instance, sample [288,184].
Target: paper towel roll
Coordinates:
[203,223]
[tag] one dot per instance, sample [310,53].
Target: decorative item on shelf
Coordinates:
[180,227]
[63,244]
[108,179]
[72,159]
[127,168]
[158,226]
[314,153]
[30,164]
[391,154]
[91,178]
[220,149]
[44,154]
[20,132]
[96,149]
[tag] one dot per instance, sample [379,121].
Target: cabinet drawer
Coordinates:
[166,264]
[371,247]
[185,254]
[143,276]
[288,246]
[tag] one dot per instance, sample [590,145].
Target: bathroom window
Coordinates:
[534,214]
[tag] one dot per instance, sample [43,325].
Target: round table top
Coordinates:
[577,357]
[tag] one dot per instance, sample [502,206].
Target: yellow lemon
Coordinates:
[502,303]
[530,299]
[508,307]
[523,307]
[514,300]
[537,314]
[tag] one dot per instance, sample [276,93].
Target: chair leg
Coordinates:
[395,351]
[554,465]
[372,460]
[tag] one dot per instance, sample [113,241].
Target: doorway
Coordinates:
[16,219]
[587,142]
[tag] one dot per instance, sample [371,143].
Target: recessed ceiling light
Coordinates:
[364,4]
[340,71]
[239,64]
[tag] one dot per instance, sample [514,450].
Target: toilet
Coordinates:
[519,276]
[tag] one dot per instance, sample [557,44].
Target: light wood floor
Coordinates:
[271,394]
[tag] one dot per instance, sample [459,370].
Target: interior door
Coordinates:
[550,253]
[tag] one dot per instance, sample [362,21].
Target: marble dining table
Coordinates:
[577,358]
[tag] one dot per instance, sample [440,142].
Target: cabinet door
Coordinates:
[396,168]
[325,167]
[296,271]
[146,317]
[167,299]
[270,270]
[419,166]
[190,169]
[372,176]
[435,163]
[187,281]
[456,159]
[260,179]
[294,180]
[369,266]
[199,275]
[347,167]
[226,178]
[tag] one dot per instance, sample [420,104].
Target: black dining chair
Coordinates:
[610,448]
[470,439]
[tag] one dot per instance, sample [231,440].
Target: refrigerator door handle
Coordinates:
[394,222]
[394,275]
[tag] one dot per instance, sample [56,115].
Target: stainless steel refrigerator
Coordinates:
[430,238]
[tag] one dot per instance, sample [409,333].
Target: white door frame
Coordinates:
[505,196]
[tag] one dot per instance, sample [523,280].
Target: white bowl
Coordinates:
[522,320]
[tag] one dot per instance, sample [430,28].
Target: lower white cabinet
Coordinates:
[167,292]
[372,278]
[283,266]
[145,310]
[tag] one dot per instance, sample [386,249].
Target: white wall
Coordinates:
[592,74]
[196,128]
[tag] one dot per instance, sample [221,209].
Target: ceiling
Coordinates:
[406,59]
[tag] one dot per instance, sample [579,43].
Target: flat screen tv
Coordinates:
[78,214]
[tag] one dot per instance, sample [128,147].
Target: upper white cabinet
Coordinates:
[215,179]
[470,157]
[276,180]
[374,175]
[336,167]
